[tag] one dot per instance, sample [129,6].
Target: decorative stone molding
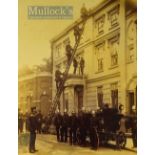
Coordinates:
[131,30]
[113,39]
[113,16]
[100,42]
[99,24]
[132,79]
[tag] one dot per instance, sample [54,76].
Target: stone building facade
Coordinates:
[35,90]
[109,48]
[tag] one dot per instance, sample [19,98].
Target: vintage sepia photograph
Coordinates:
[77,77]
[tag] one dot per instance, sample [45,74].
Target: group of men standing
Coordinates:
[68,127]
[76,128]
[79,64]
[23,120]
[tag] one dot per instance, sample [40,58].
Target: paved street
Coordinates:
[47,145]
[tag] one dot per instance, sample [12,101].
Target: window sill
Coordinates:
[99,72]
[112,67]
[113,26]
[130,61]
[99,34]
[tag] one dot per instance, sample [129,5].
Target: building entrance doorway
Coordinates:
[131,101]
[114,98]
[44,104]
[132,96]
[79,92]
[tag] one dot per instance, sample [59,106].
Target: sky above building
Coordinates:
[35,35]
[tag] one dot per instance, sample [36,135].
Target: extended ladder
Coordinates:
[60,90]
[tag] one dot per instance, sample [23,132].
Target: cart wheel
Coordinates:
[120,140]
[78,136]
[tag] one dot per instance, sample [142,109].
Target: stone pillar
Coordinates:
[53,71]
[75,102]
[122,53]
[71,99]
[84,92]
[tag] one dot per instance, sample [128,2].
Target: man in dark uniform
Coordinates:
[84,12]
[94,140]
[68,52]
[58,123]
[48,122]
[77,33]
[27,120]
[58,78]
[64,128]
[82,64]
[100,119]
[32,128]
[75,65]
[73,124]
[39,121]
[20,121]
[134,127]
[82,120]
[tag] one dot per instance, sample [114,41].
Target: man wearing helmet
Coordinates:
[64,128]
[82,126]
[73,128]
[58,123]
[69,51]
[94,140]
[58,77]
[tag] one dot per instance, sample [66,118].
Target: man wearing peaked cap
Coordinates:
[64,128]
[93,131]
[58,77]
[73,125]
[58,123]
[69,51]
[32,128]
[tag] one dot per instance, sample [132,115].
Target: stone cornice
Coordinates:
[107,36]
[75,80]
[32,76]
[130,13]
[100,6]
[96,79]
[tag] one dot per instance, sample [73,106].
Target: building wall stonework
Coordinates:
[106,49]
[35,90]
